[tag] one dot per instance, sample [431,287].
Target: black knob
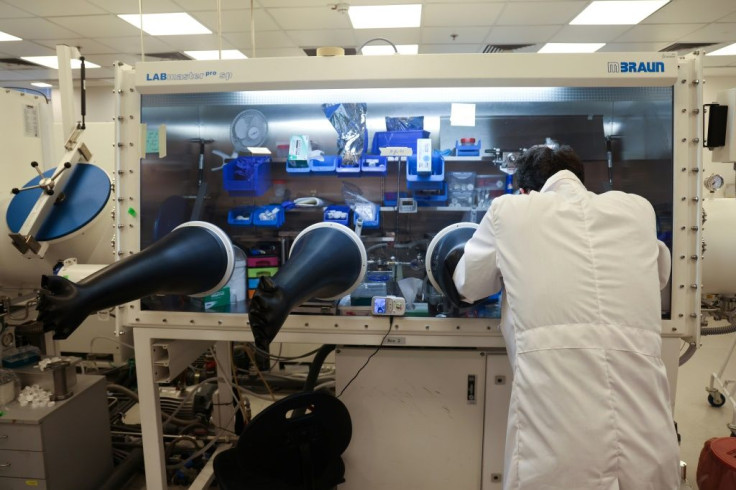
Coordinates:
[50,192]
[15,190]
[34,164]
[67,165]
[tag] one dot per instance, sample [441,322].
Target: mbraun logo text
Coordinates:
[635,67]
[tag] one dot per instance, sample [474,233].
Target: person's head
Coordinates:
[541,162]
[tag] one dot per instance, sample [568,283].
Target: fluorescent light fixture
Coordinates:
[386,49]
[41,84]
[618,12]
[8,37]
[227,54]
[385,16]
[174,24]
[571,47]
[729,50]
[53,62]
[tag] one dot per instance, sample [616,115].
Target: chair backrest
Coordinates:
[304,428]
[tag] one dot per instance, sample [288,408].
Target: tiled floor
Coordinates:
[697,420]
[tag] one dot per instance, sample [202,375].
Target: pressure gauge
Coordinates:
[713,182]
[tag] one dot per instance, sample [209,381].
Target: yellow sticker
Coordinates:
[32,483]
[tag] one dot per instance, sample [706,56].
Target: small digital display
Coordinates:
[379,306]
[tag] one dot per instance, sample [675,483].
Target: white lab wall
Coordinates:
[712,86]
[100,103]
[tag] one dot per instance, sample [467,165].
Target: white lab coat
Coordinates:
[582,275]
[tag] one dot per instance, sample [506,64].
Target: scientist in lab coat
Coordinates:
[581,276]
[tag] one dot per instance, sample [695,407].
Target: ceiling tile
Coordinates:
[450,48]
[8,12]
[396,36]
[50,8]
[440,35]
[690,11]
[588,34]
[540,13]
[713,33]
[98,26]
[462,14]
[278,52]
[658,32]
[266,39]
[132,45]
[309,18]
[26,48]
[718,61]
[633,47]
[35,28]
[131,7]
[85,45]
[236,20]
[322,37]
[198,5]
[521,35]
[196,43]
[728,18]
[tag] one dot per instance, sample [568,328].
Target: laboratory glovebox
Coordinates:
[635,132]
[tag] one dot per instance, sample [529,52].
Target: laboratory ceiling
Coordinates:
[286,28]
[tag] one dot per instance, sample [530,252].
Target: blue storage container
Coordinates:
[297,167]
[374,165]
[367,222]
[337,214]
[430,197]
[271,216]
[348,168]
[241,216]
[247,176]
[426,181]
[467,149]
[405,139]
[389,198]
[326,166]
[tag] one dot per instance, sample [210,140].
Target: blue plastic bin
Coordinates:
[467,150]
[347,170]
[297,167]
[431,197]
[406,139]
[389,198]
[375,223]
[327,166]
[247,176]
[241,216]
[373,165]
[338,208]
[429,181]
[273,222]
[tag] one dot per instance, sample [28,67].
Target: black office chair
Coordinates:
[294,444]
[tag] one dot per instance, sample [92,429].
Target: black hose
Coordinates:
[122,472]
[316,366]
[718,330]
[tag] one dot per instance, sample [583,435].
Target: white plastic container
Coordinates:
[237,281]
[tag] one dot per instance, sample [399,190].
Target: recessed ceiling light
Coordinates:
[166,24]
[617,12]
[386,49]
[41,84]
[571,47]
[53,62]
[227,54]
[729,50]
[385,16]
[8,37]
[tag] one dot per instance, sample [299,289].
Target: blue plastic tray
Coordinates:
[435,198]
[247,176]
[241,216]
[325,167]
[406,139]
[348,170]
[372,223]
[274,222]
[430,181]
[467,150]
[373,165]
[339,208]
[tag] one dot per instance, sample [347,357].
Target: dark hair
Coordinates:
[540,162]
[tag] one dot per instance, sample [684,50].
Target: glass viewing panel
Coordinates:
[623,135]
